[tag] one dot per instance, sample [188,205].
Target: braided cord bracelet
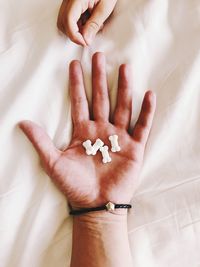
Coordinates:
[110,207]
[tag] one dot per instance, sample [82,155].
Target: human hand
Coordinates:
[85,180]
[80,20]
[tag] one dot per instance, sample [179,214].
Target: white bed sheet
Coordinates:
[161,39]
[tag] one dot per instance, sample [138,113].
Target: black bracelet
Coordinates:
[109,207]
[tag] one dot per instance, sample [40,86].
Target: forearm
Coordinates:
[101,239]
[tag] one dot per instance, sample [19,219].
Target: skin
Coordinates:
[85,180]
[81,20]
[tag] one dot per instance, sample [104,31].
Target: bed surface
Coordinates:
[161,39]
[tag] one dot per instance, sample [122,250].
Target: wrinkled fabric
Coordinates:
[161,40]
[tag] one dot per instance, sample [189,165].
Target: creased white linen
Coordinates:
[161,39]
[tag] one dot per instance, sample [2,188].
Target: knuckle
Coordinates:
[78,100]
[94,25]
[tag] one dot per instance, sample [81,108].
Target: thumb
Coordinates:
[41,142]
[99,15]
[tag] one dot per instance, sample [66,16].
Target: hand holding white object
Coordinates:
[85,181]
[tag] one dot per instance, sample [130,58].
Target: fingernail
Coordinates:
[152,96]
[19,124]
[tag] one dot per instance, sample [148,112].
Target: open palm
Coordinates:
[85,180]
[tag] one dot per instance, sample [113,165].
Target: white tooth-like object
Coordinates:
[114,143]
[105,154]
[97,145]
[88,147]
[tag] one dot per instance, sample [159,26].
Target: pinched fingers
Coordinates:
[99,15]
[68,17]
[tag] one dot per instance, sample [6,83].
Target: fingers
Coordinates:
[80,110]
[71,11]
[100,98]
[144,123]
[100,13]
[74,13]
[68,17]
[41,142]
[122,115]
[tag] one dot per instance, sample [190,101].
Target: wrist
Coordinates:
[98,218]
[102,237]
